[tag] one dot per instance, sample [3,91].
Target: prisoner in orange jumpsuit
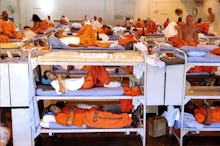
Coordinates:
[92,117]
[139,23]
[187,34]
[208,69]
[207,115]
[39,25]
[151,26]
[7,28]
[96,76]
[88,37]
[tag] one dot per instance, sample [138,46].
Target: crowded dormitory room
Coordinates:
[109,72]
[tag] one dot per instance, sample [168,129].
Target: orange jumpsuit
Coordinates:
[8,28]
[139,24]
[176,42]
[4,39]
[151,26]
[97,76]
[88,37]
[200,114]
[94,118]
[208,69]
[204,27]
[43,25]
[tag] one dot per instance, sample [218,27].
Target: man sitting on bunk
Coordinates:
[39,25]
[96,76]
[7,27]
[94,117]
[186,34]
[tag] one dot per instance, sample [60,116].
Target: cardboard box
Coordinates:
[157,126]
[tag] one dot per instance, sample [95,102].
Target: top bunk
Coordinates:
[87,58]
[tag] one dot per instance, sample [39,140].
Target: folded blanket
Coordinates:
[195,51]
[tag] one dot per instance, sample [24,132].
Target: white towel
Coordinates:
[170,30]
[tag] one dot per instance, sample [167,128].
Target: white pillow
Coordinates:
[49,118]
[44,124]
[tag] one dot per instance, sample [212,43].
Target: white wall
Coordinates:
[113,11]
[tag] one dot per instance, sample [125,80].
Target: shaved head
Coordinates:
[5,15]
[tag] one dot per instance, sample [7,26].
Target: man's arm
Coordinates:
[61,84]
[180,30]
[71,117]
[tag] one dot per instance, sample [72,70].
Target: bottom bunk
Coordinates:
[49,122]
[199,116]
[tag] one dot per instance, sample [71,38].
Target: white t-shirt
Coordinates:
[70,84]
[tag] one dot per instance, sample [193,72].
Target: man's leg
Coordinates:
[97,76]
[103,119]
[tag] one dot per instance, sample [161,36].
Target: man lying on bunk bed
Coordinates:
[96,76]
[205,114]
[94,117]
[87,37]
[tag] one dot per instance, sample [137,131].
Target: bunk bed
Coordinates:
[124,58]
[14,47]
[197,92]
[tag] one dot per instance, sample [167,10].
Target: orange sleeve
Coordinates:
[45,25]
[4,39]
[61,118]
[200,114]
[79,116]
[1,25]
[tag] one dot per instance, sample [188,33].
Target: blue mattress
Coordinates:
[97,91]
[54,125]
